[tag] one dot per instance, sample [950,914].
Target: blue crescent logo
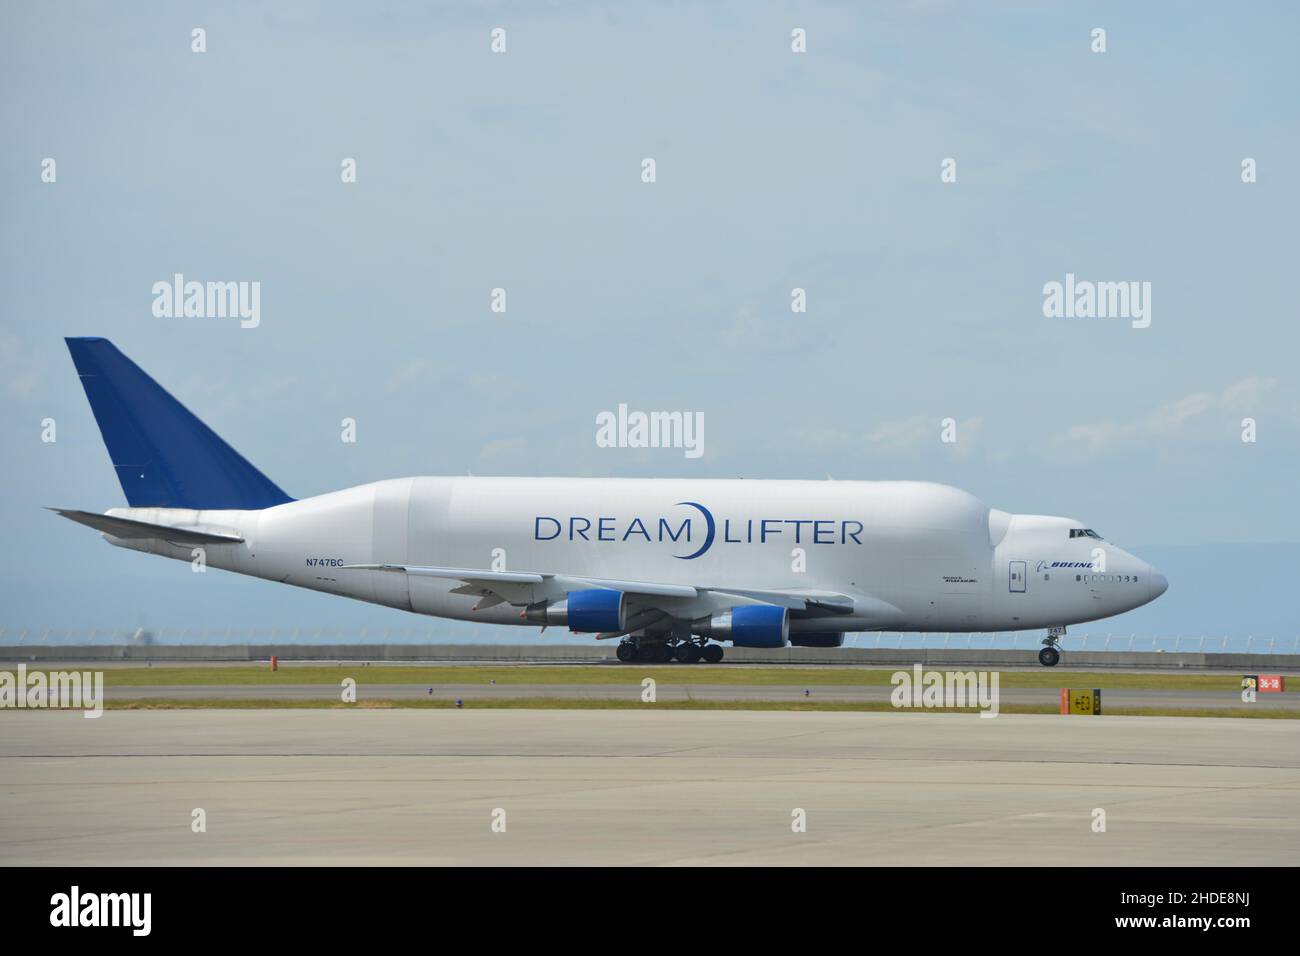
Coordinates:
[708,538]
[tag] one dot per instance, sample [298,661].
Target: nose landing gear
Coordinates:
[1051,654]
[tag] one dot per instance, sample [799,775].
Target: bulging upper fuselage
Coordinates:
[912,556]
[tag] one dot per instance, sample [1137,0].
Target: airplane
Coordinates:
[671,568]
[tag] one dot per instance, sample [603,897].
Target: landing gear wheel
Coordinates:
[688,653]
[712,653]
[1048,656]
[626,652]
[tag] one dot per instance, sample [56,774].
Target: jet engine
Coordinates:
[594,609]
[749,625]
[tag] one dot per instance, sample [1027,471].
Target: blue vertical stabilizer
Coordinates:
[164,456]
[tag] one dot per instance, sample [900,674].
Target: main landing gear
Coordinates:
[689,651]
[1050,655]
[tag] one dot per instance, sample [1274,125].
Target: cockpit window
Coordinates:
[1084,533]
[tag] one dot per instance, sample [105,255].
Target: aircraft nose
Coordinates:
[1159,584]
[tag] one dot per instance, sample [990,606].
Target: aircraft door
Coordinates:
[1016,576]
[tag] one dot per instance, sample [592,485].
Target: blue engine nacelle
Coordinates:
[596,609]
[818,639]
[749,625]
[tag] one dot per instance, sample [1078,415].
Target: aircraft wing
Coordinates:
[521,588]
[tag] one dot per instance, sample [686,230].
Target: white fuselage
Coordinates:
[913,556]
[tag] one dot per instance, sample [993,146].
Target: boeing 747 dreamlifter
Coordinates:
[671,566]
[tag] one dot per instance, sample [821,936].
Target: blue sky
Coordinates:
[774,171]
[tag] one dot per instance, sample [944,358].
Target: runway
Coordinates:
[630,690]
[644,788]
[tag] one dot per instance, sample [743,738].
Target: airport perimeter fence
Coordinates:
[878,640]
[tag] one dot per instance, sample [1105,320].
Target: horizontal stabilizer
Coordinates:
[129,528]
